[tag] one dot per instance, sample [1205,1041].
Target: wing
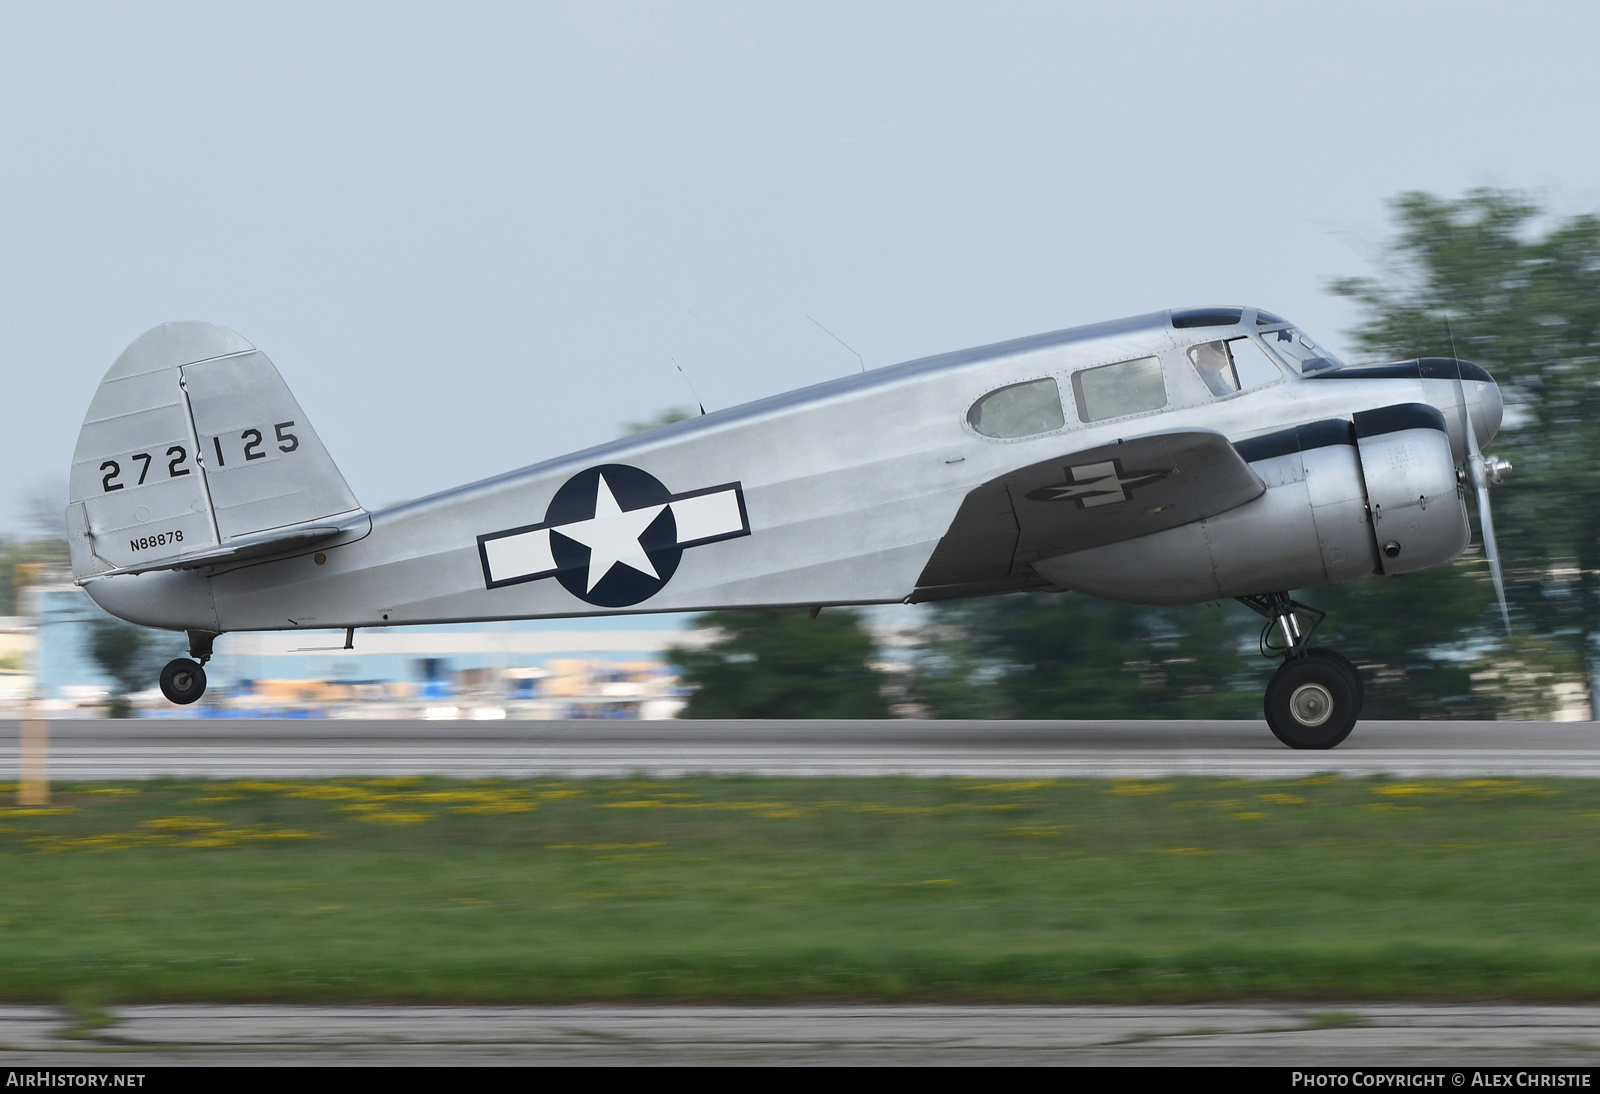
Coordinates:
[1087,499]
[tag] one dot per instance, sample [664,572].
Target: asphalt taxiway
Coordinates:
[103,749]
[1454,1038]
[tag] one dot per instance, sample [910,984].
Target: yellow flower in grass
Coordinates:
[1017,785]
[183,824]
[1028,832]
[331,792]
[1138,787]
[394,818]
[259,786]
[1408,790]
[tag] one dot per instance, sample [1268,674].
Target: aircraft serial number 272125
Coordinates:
[1172,458]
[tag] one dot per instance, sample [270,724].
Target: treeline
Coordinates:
[26,562]
[1489,276]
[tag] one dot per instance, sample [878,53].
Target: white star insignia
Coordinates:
[612,535]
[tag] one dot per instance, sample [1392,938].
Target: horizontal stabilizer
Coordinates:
[256,545]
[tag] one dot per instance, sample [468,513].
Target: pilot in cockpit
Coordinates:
[1215,366]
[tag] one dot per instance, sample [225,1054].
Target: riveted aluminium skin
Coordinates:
[851,489]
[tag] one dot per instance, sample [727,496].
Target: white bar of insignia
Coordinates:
[520,555]
[707,515]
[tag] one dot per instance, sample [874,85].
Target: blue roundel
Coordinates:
[616,520]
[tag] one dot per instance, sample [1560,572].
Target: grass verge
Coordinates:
[783,889]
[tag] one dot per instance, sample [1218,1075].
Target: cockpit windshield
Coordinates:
[1298,351]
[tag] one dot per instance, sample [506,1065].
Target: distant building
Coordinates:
[65,673]
[16,658]
[602,667]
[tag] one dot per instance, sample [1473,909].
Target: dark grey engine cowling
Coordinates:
[1343,500]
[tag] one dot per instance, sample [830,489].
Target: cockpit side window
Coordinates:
[1019,410]
[1298,351]
[1115,391]
[1251,363]
[1215,365]
[1236,364]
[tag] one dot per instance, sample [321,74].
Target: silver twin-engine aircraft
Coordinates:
[1171,458]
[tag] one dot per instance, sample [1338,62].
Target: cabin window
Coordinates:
[1114,391]
[1232,365]
[1019,410]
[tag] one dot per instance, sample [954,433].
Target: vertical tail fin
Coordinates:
[193,451]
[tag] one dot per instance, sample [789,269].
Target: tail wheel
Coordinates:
[183,681]
[1312,702]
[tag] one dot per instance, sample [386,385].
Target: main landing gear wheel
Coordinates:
[1348,666]
[1313,701]
[1315,697]
[183,681]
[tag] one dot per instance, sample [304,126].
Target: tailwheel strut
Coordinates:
[1315,697]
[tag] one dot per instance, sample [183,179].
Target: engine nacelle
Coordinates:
[1343,500]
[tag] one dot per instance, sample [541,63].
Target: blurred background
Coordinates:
[476,239]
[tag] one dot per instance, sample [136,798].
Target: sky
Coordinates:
[475,236]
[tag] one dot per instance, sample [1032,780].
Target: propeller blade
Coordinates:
[1478,472]
[1490,550]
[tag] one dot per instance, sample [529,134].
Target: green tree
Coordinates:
[23,562]
[781,664]
[132,656]
[1045,655]
[1421,640]
[951,676]
[664,416]
[1521,291]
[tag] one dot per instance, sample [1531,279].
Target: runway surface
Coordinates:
[305,748]
[1451,1037]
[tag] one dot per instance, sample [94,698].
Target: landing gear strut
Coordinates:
[1315,697]
[183,681]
